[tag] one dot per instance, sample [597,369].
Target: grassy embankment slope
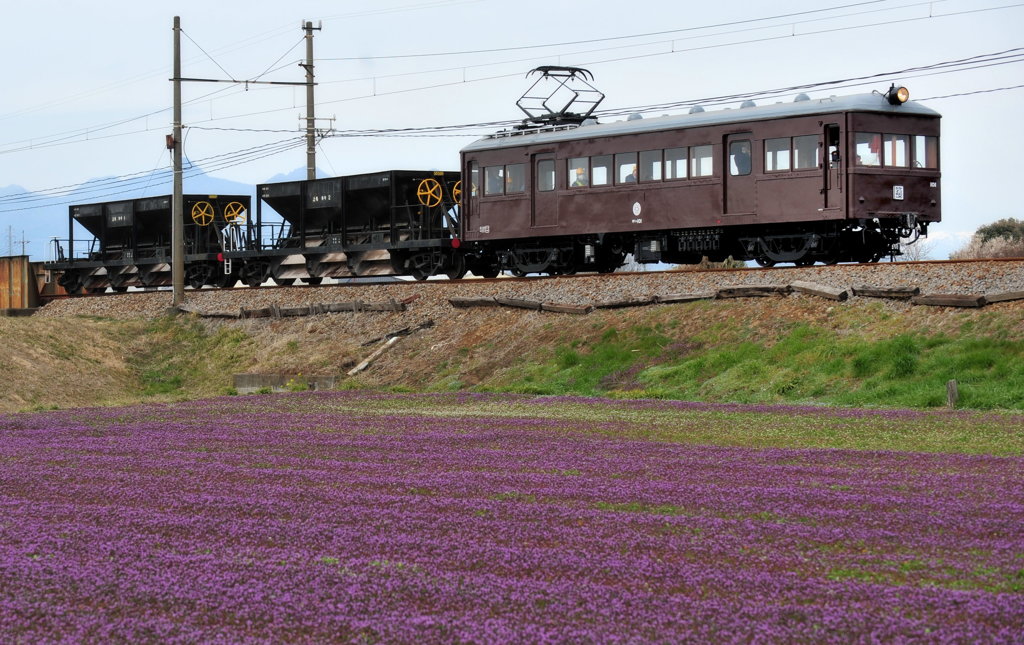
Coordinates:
[793,350]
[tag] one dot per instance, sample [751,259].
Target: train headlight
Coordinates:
[897,95]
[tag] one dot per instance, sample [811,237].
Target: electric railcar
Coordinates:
[826,180]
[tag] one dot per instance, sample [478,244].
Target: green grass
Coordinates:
[178,356]
[798,363]
[587,368]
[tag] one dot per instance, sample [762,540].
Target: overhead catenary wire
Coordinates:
[76,135]
[238,157]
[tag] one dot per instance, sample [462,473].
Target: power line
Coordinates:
[238,157]
[75,136]
[607,39]
[989,91]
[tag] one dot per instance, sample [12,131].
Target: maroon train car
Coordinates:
[827,180]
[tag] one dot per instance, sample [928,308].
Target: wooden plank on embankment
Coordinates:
[897,293]
[820,290]
[950,300]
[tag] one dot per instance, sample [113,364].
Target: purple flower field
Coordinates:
[357,517]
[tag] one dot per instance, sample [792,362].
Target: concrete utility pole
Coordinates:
[177,208]
[310,116]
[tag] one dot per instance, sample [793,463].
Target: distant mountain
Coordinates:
[299,174]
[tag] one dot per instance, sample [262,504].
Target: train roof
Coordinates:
[802,106]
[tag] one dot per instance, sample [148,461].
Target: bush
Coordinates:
[995,247]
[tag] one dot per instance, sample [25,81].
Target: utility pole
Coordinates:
[177,208]
[174,143]
[310,116]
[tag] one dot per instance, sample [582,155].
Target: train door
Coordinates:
[740,188]
[544,195]
[833,168]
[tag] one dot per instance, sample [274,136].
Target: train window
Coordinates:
[625,168]
[515,178]
[805,152]
[869,148]
[650,165]
[739,157]
[545,175]
[675,163]
[601,170]
[776,154]
[700,162]
[926,152]
[474,178]
[493,184]
[579,176]
[897,150]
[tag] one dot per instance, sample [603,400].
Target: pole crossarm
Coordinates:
[224,80]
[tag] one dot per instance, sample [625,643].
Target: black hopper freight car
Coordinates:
[130,243]
[395,222]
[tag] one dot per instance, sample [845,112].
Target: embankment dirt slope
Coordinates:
[84,361]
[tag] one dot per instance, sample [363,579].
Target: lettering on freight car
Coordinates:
[897,193]
[485,229]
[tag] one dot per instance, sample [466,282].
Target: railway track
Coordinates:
[357,282]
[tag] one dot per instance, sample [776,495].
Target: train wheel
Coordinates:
[254,274]
[70,281]
[198,275]
[765,262]
[458,269]
[314,280]
[284,282]
[223,281]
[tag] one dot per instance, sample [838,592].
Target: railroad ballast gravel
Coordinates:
[430,299]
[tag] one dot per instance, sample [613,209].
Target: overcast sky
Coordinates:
[86,91]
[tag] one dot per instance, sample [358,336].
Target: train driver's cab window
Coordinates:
[579,172]
[650,165]
[700,161]
[897,150]
[545,175]
[675,163]
[776,154]
[867,149]
[739,157]
[494,180]
[806,152]
[474,179]
[601,170]
[625,168]
[926,152]
[515,178]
